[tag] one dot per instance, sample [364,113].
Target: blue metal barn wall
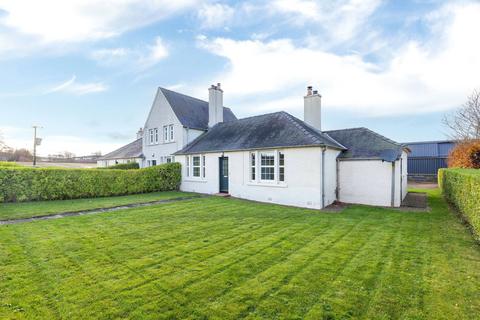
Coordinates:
[425,165]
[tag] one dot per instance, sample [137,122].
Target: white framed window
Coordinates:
[196,166]
[151,135]
[267,166]
[281,166]
[188,165]
[156,134]
[165,134]
[169,159]
[170,133]
[203,166]
[253,166]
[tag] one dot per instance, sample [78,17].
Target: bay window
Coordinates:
[203,166]
[188,165]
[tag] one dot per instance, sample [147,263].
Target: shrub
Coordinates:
[27,184]
[124,166]
[465,155]
[461,187]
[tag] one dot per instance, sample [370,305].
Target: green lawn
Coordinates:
[41,208]
[217,258]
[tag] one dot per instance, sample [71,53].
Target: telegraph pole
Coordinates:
[35,143]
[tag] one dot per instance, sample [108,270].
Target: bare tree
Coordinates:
[68,154]
[3,145]
[464,123]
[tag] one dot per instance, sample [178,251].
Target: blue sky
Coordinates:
[88,72]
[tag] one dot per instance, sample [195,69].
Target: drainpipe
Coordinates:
[401,180]
[393,184]
[323,177]
[337,189]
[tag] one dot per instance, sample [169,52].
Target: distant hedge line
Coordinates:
[29,184]
[8,164]
[124,166]
[461,187]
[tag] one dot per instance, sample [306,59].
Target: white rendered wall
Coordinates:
[302,185]
[161,114]
[210,184]
[331,175]
[366,182]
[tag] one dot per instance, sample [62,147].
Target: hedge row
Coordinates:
[461,187]
[29,184]
[124,166]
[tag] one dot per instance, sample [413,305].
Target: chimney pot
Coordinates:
[309,90]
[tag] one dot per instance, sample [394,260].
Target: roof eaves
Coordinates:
[181,152]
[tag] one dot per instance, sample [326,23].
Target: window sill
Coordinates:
[268,184]
[195,180]
[168,142]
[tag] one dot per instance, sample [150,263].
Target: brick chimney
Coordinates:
[312,108]
[215,105]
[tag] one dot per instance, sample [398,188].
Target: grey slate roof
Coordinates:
[131,150]
[192,112]
[272,130]
[363,143]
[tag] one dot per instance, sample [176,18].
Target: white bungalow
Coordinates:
[280,159]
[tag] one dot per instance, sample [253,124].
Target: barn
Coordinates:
[426,158]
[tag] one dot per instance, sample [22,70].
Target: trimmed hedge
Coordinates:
[30,184]
[461,187]
[124,166]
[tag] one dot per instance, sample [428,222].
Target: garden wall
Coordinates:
[461,187]
[29,184]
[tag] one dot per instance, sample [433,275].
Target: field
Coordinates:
[217,258]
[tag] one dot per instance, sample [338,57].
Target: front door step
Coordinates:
[222,194]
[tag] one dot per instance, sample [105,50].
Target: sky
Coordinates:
[87,71]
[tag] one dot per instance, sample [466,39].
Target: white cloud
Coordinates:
[73,87]
[422,77]
[139,58]
[29,25]
[340,20]
[215,15]
[78,20]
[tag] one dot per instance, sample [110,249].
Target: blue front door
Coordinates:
[223,165]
